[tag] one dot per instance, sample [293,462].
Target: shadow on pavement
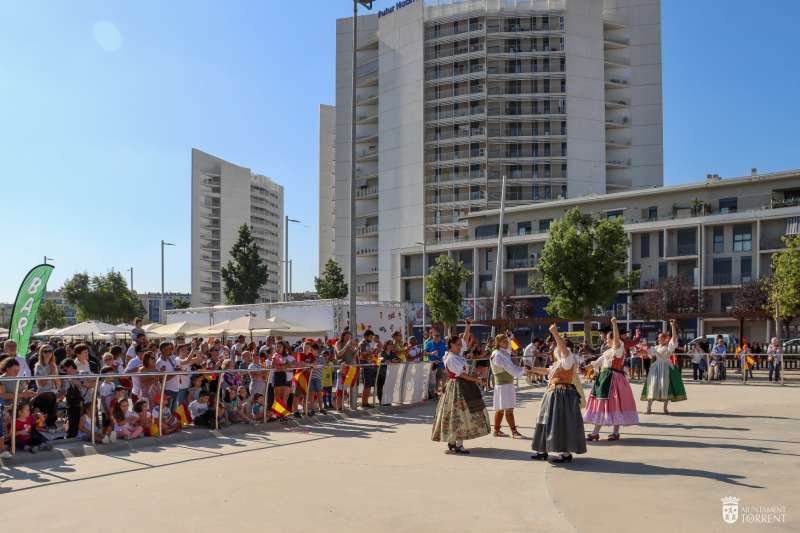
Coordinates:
[607,466]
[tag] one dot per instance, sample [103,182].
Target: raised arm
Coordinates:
[615,343]
[674,326]
[561,346]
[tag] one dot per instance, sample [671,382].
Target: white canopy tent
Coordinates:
[90,328]
[150,327]
[257,326]
[3,332]
[46,333]
[175,329]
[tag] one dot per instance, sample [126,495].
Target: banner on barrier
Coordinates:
[406,383]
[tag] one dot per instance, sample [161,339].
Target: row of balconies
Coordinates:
[527,130]
[525,67]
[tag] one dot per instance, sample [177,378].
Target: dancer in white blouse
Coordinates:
[505,395]
[460,413]
[664,382]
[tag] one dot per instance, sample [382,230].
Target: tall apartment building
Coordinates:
[225,196]
[562,97]
[327,183]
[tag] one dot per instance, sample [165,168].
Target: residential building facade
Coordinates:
[715,235]
[225,196]
[562,97]
[151,301]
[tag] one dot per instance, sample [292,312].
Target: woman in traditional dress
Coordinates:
[663,382]
[460,413]
[611,401]
[559,426]
[505,394]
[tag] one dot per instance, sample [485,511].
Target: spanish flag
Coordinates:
[182,412]
[350,376]
[750,362]
[514,344]
[279,408]
[301,379]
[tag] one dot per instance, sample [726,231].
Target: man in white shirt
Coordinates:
[10,349]
[138,340]
[134,364]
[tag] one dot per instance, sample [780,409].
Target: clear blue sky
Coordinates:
[99,119]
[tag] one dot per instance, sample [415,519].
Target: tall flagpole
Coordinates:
[498,268]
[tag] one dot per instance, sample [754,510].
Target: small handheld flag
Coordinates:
[301,380]
[279,408]
[514,344]
[350,376]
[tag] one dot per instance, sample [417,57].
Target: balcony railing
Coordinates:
[687,249]
[525,69]
[524,262]
[366,230]
[721,278]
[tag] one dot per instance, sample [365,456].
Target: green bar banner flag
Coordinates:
[23,318]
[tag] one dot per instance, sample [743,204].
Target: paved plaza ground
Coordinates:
[381,472]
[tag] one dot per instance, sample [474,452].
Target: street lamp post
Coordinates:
[286,271]
[353,324]
[46,259]
[161,305]
[424,272]
[131,271]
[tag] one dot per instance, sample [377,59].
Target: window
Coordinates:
[544,225]
[719,240]
[644,240]
[616,213]
[722,271]
[489,230]
[725,301]
[728,205]
[660,244]
[520,281]
[742,238]
[662,270]
[746,269]
[652,213]
[523,228]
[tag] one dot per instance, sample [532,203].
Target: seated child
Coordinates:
[106,434]
[125,423]
[28,437]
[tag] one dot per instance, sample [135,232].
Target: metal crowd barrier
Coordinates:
[421,368]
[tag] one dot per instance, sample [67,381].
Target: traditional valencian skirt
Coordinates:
[663,383]
[559,426]
[461,413]
[611,401]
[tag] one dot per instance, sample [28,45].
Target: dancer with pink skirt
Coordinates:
[611,401]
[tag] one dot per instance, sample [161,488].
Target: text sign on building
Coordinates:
[398,6]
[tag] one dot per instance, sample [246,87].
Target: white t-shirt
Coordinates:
[133,367]
[167,364]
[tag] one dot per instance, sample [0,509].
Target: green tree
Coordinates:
[442,294]
[50,316]
[582,265]
[180,303]
[331,284]
[751,301]
[245,272]
[106,298]
[784,287]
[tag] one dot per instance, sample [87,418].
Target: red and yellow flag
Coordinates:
[350,376]
[301,379]
[279,408]
[182,412]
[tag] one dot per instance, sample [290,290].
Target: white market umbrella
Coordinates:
[3,332]
[90,328]
[46,333]
[175,329]
[150,327]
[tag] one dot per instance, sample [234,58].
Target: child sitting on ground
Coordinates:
[197,385]
[257,408]
[169,422]
[230,402]
[28,437]
[143,417]
[202,413]
[245,410]
[125,425]
[105,435]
